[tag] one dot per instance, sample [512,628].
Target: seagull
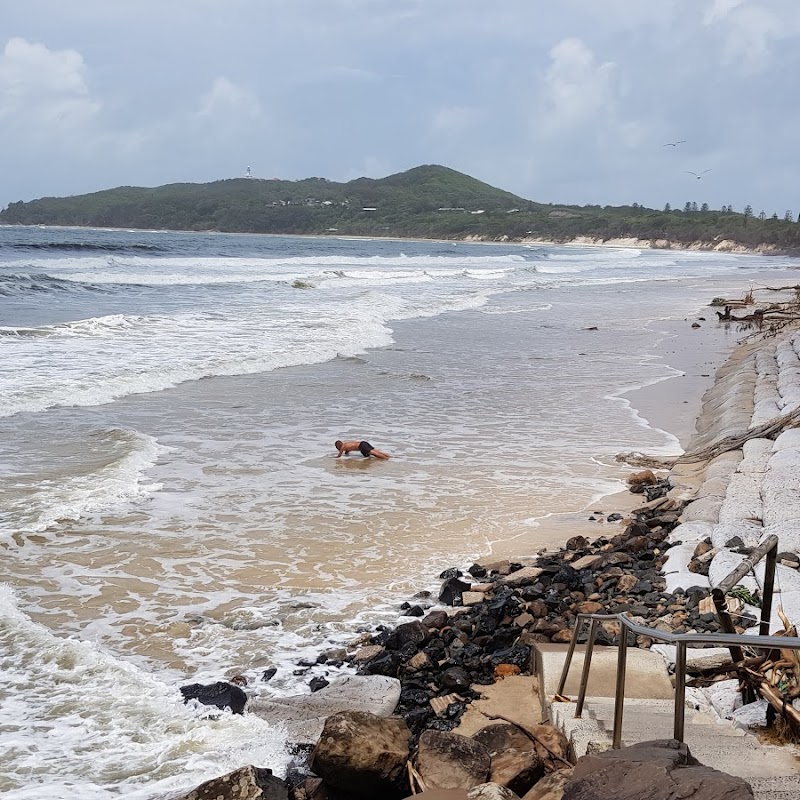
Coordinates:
[674,144]
[696,174]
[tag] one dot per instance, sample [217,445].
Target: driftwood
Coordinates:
[735,442]
[414,779]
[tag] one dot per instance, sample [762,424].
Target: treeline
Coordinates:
[425,202]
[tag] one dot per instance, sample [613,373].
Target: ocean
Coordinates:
[171,508]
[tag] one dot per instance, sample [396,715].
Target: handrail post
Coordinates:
[680,691]
[769,583]
[587,662]
[565,671]
[619,696]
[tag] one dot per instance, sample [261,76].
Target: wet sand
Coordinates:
[672,405]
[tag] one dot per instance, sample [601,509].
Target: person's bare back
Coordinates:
[363,447]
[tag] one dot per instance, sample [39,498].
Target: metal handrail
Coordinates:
[681,640]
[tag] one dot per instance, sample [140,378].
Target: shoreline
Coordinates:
[721,246]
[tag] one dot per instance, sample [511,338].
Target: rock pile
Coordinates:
[496,612]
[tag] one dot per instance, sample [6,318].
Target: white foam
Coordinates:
[78,722]
[112,487]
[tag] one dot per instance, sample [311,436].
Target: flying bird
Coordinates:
[674,144]
[697,175]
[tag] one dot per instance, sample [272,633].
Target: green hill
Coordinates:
[428,202]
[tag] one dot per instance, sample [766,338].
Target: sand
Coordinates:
[672,405]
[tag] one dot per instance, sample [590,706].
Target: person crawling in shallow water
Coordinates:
[365,448]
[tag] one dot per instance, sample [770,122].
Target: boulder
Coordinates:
[451,761]
[245,783]
[515,762]
[522,577]
[551,741]
[363,755]
[638,480]
[220,694]
[551,787]
[657,770]
[304,715]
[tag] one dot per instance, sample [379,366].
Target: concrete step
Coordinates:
[646,672]
[694,724]
[725,748]
[777,787]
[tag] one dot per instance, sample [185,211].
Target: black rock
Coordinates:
[519,654]
[439,724]
[452,572]
[268,674]
[385,664]
[408,633]
[414,695]
[315,684]
[220,694]
[615,517]
[418,717]
[451,591]
[415,611]
[455,679]
[477,571]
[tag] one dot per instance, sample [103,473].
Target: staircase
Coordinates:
[773,771]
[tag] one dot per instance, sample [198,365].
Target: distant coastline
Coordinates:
[722,246]
[425,203]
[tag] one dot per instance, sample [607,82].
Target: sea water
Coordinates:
[171,508]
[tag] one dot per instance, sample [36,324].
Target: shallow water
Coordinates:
[170,506]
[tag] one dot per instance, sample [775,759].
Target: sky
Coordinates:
[562,101]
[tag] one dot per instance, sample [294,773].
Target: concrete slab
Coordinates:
[515,697]
[646,674]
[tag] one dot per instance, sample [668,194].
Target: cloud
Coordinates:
[750,31]
[41,87]
[225,98]
[719,10]
[576,87]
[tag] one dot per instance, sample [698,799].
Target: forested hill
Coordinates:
[428,201]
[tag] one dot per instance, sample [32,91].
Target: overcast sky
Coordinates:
[566,101]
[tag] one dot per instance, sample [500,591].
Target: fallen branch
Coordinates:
[736,441]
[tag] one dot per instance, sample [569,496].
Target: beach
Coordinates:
[177,513]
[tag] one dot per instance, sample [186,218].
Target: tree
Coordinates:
[787,217]
[761,215]
[748,212]
[687,208]
[694,206]
[667,208]
[704,207]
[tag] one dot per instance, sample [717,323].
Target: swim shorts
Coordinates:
[365,448]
